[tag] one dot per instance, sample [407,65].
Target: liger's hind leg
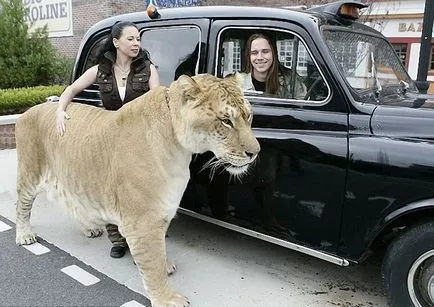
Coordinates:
[24,233]
[31,163]
[29,177]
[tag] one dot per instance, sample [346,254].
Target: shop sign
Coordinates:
[56,14]
[410,27]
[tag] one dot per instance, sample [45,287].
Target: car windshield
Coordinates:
[369,64]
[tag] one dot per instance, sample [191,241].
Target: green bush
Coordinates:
[62,70]
[18,100]
[26,59]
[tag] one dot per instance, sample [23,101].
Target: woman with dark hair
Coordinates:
[124,72]
[264,72]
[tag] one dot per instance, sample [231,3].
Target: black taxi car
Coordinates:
[343,170]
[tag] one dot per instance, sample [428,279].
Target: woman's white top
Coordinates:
[122,90]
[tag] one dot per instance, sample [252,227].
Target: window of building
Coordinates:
[173,50]
[297,76]
[285,49]
[344,52]
[401,51]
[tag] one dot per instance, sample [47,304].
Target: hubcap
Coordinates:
[431,289]
[420,280]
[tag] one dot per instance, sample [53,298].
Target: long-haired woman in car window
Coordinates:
[264,72]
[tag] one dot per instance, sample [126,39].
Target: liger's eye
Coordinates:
[227,122]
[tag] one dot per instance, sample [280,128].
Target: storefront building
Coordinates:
[401,22]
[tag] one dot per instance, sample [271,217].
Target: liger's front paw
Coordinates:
[93,233]
[174,300]
[25,238]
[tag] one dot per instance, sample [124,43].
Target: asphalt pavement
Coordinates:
[48,276]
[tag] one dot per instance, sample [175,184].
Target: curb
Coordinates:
[9,119]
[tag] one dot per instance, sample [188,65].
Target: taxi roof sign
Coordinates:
[341,9]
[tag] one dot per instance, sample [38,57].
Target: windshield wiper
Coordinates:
[378,87]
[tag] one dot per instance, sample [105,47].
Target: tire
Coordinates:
[408,267]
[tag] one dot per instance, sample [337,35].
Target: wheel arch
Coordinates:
[396,221]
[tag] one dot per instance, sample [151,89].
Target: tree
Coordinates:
[26,59]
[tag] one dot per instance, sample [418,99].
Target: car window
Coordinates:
[298,75]
[367,62]
[174,51]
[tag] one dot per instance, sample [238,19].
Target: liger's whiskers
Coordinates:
[213,167]
[208,164]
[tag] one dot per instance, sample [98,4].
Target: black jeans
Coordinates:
[114,236]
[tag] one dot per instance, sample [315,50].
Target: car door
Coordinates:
[295,190]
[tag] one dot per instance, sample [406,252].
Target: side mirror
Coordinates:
[422,86]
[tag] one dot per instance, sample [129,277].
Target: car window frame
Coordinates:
[184,25]
[273,100]
[354,95]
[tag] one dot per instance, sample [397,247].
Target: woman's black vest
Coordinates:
[137,80]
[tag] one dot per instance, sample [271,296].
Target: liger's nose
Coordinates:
[253,151]
[249,154]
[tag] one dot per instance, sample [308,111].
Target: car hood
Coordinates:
[410,116]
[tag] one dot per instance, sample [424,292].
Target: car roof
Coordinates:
[211,12]
[307,18]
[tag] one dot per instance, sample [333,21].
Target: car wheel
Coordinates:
[408,267]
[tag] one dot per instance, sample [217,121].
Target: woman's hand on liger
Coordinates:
[60,122]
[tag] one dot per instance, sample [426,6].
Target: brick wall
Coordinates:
[7,136]
[87,12]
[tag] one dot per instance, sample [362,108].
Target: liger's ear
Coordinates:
[238,78]
[190,89]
